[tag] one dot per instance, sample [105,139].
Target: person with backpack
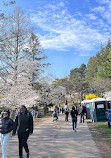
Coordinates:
[24,126]
[6,126]
[74,114]
[66,111]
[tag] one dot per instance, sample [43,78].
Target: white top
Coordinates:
[98,99]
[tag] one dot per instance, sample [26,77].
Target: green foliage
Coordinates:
[91,68]
[78,79]
[75,83]
[107,67]
[59,82]
[64,82]
[103,128]
[78,73]
[99,70]
[100,65]
[93,78]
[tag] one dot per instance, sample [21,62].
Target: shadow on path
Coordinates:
[58,140]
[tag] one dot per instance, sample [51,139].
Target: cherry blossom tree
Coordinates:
[20,93]
[20,59]
[49,95]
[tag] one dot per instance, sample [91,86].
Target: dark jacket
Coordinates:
[74,113]
[84,110]
[23,123]
[6,125]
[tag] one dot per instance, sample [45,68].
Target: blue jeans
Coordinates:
[4,138]
[74,122]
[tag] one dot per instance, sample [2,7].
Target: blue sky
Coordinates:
[70,31]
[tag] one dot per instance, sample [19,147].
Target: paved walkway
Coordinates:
[57,140]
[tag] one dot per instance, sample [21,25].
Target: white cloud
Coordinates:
[104,1]
[64,31]
[104,11]
[61,4]
[84,54]
[99,9]
[54,7]
[91,16]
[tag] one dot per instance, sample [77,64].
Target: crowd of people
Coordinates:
[80,110]
[21,122]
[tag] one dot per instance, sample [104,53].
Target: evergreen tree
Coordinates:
[91,68]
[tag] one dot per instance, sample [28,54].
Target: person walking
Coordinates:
[55,115]
[17,111]
[82,114]
[74,114]
[66,111]
[24,126]
[62,110]
[6,126]
[33,114]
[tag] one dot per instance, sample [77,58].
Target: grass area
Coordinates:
[105,130]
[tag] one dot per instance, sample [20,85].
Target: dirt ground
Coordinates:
[103,147]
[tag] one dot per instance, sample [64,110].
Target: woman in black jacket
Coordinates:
[74,114]
[24,126]
[6,126]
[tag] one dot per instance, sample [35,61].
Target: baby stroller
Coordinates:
[55,116]
[109,117]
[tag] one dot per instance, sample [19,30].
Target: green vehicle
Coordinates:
[98,109]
